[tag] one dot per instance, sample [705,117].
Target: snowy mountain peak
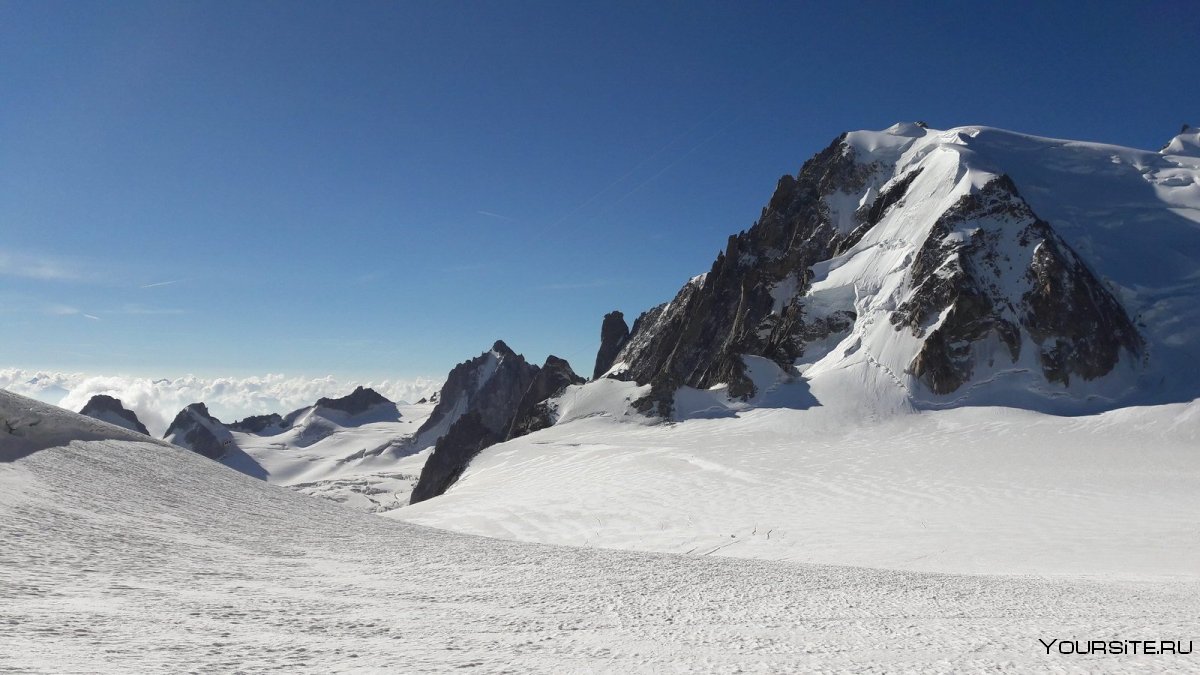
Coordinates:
[195,429]
[354,403]
[467,385]
[943,267]
[108,409]
[476,409]
[1186,143]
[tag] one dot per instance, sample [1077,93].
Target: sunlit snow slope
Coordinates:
[129,555]
[978,490]
[347,459]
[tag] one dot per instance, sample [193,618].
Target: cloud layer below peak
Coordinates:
[156,401]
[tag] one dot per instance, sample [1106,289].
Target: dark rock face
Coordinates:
[485,394]
[983,246]
[111,410]
[195,429]
[354,403]
[467,438]
[614,332]
[256,424]
[1078,324]
[533,413]
[698,338]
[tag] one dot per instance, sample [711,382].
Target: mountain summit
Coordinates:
[966,266]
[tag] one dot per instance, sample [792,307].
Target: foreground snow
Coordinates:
[127,556]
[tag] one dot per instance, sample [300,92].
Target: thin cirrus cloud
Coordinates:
[497,216]
[158,284]
[39,267]
[60,310]
[97,315]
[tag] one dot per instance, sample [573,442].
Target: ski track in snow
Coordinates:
[134,557]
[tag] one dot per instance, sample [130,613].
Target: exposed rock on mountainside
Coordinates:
[108,409]
[491,398]
[533,412]
[912,229]
[328,415]
[257,424]
[982,248]
[195,429]
[453,453]
[613,334]
[463,384]
[746,303]
[357,402]
[478,403]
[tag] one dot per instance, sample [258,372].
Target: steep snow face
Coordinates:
[968,266]
[124,555]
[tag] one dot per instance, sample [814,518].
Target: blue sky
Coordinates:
[383,189]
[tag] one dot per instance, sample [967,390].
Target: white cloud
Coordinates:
[156,402]
[46,268]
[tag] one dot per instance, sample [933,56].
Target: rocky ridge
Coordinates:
[195,429]
[108,409]
[491,398]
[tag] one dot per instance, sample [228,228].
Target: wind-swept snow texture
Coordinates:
[969,490]
[130,555]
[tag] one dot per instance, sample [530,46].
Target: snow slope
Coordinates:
[970,490]
[135,556]
[346,459]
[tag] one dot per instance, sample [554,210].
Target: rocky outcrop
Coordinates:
[355,403]
[195,429]
[614,332]
[494,397]
[533,412]
[477,406]
[111,410]
[982,248]
[257,424]
[328,415]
